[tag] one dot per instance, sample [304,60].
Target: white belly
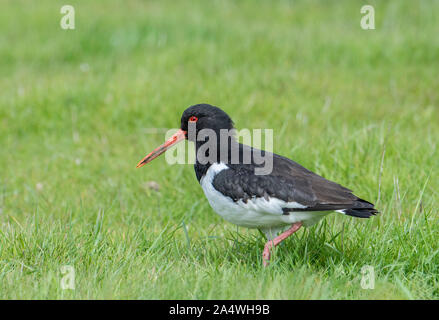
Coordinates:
[257,212]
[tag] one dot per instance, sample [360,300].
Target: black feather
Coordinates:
[360,213]
[289,182]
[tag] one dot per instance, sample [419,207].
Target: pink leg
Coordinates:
[266,255]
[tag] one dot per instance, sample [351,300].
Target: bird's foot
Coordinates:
[272,243]
[266,254]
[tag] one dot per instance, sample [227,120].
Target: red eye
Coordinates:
[193,119]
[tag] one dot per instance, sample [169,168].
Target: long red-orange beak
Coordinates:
[176,138]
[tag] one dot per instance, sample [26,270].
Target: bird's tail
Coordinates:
[360,209]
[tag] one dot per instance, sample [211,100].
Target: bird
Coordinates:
[278,202]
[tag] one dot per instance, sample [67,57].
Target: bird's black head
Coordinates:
[194,119]
[205,116]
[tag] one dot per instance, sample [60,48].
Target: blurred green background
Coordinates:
[357,106]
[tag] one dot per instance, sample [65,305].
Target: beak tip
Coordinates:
[178,136]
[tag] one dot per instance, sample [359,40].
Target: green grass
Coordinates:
[361,108]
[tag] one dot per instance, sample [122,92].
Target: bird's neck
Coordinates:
[214,151]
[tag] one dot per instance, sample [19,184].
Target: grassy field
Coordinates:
[76,107]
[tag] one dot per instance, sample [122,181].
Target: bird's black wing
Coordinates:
[290,182]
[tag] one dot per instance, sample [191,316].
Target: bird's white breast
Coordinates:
[256,212]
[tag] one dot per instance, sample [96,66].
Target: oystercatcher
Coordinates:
[287,197]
